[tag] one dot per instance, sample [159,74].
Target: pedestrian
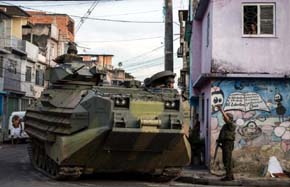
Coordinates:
[196,127]
[226,140]
[17,129]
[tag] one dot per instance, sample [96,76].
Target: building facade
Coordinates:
[63,23]
[26,50]
[12,56]
[183,51]
[102,61]
[239,59]
[114,76]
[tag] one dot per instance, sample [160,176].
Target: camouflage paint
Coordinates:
[147,109]
[261,110]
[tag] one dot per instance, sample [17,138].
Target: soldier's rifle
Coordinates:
[216,150]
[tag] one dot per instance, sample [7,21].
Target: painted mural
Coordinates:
[261,110]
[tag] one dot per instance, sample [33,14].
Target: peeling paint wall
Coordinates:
[233,52]
[261,110]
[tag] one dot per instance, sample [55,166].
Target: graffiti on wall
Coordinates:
[248,101]
[261,111]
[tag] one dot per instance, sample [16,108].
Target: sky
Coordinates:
[139,46]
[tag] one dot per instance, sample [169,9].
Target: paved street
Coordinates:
[15,170]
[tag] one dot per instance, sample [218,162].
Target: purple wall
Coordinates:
[234,53]
[230,51]
[201,52]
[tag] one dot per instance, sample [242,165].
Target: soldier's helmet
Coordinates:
[72,49]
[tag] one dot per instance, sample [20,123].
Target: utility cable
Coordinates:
[86,15]
[108,41]
[147,52]
[89,18]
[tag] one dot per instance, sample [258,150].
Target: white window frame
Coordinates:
[259,20]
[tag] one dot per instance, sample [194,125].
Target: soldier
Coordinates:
[70,56]
[226,139]
[169,83]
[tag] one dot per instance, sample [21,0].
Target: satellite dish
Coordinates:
[120,64]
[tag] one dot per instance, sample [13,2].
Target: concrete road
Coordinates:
[16,171]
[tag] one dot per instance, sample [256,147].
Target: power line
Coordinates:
[132,13]
[128,40]
[146,64]
[87,14]
[54,5]
[148,52]
[89,18]
[150,65]
[108,41]
[143,63]
[143,54]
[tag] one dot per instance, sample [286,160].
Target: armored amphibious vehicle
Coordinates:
[80,126]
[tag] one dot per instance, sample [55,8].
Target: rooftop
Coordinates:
[13,11]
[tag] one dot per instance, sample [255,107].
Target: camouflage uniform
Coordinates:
[227,138]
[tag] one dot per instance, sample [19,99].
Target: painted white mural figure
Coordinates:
[217,98]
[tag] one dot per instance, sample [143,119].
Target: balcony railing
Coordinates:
[12,42]
[32,51]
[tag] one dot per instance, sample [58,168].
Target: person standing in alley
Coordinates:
[226,140]
[17,129]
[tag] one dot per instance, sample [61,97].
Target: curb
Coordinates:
[205,181]
[239,182]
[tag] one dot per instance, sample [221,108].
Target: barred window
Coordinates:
[28,74]
[39,77]
[1,65]
[259,19]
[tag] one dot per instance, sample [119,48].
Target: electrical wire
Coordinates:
[55,5]
[87,14]
[130,66]
[130,13]
[89,18]
[146,64]
[129,40]
[147,52]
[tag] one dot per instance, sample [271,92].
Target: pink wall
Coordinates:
[234,53]
[196,49]
[201,54]
[207,50]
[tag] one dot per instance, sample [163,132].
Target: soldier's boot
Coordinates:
[228,178]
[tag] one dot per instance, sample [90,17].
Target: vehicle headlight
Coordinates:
[123,102]
[172,105]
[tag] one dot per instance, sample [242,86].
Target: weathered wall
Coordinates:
[234,53]
[195,50]
[261,110]
[12,73]
[17,24]
[206,47]
[61,21]
[201,52]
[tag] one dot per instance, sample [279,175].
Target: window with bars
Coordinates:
[259,19]
[1,65]
[39,77]
[12,66]
[28,74]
